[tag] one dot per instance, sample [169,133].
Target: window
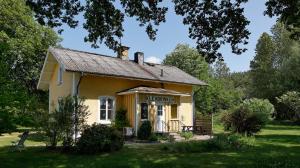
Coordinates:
[106,109]
[144,111]
[174,112]
[159,110]
[60,75]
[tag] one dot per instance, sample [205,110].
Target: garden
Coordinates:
[256,113]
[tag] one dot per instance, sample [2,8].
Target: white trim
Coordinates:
[179,94]
[45,62]
[60,74]
[107,121]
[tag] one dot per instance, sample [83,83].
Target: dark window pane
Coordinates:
[144,111]
[102,103]
[174,111]
[109,114]
[109,103]
[102,114]
[159,110]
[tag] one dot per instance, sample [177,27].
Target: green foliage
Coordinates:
[67,121]
[262,70]
[145,130]
[218,143]
[275,67]
[153,138]
[6,122]
[291,100]
[186,135]
[121,119]
[99,138]
[249,117]
[219,93]
[23,47]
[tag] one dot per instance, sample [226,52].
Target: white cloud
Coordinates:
[153,59]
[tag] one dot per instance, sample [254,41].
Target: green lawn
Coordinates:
[276,146]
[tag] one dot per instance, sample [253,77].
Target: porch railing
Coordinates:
[174,125]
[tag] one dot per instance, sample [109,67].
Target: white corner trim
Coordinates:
[42,71]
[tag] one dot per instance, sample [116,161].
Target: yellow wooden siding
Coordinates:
[91,87]
[56,91]
[129,104]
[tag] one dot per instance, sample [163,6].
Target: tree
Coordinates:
[219,93]
[221,70]
[188,59]
[288,12]
[262,71]
[23,47]
[211,23]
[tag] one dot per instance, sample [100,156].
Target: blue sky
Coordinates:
[171,33]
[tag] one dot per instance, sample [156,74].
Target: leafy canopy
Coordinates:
[212,23]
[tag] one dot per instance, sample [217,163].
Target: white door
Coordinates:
[160,124]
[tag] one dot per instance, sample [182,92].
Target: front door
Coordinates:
[160,124]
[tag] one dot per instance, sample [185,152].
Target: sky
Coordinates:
[171,33]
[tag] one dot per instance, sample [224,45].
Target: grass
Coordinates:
[277,145]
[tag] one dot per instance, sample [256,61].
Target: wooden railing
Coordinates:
[174,125]
[165,126]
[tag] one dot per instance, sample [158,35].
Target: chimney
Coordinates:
[123,52]
[139,58]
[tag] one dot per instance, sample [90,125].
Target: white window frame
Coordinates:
[106,121]
[60,73]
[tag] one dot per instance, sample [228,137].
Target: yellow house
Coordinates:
[158,93]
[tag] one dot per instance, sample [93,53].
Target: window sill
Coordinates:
[105,122]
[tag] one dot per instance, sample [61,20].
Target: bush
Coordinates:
[291,103]
[99,138]
[145,130]
[121,119]
[6,122]
[67,121]
[219,142]
[186,135]
[153,138]
[249,117]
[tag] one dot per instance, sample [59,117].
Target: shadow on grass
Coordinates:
[287,139]
[151,156]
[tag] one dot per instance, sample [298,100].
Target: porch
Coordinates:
[167,110]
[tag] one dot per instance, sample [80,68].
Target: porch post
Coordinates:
[136,113]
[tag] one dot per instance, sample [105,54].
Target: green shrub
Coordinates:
[99,138]
[249,117]
[7,123]
[291,105]
[186,135]
[63,124]
[153,138]
[145,130]
[219,142]
[121,119]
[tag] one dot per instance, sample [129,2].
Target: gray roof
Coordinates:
[144,89]
[80,61]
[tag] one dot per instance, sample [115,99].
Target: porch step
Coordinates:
[176,136]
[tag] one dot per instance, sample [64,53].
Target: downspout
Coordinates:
[76,104]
